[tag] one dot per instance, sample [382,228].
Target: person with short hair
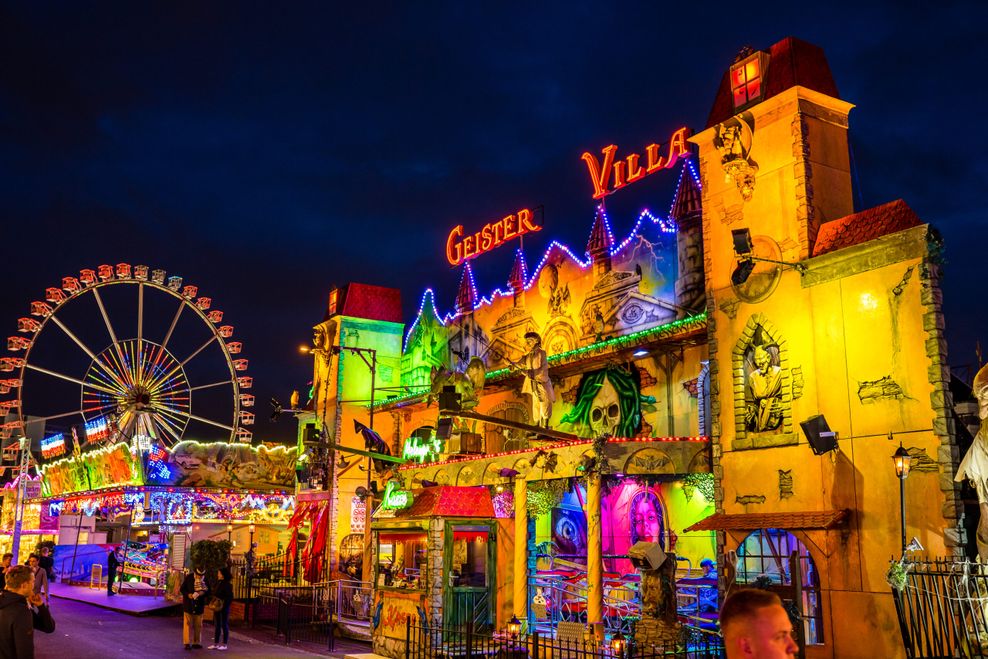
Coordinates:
[47,562]
[112,564]
[5,562]
[40,577]
[21,612]
[755,626]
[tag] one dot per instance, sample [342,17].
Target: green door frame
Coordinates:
[448,589]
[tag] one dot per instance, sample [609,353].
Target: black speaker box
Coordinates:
[818,435]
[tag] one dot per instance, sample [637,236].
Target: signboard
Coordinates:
[396,608]
[610,174]
[422,449]
[395,499]
[460,248]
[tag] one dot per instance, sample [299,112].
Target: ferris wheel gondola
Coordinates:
[137,388]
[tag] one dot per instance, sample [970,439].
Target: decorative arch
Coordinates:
[757,426]
[649,460]
[560,335]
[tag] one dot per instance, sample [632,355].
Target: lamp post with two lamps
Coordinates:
[901,460]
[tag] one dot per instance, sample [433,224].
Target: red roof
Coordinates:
[369,302]
[450,501]
[791,62]
[867,225]
[823,519]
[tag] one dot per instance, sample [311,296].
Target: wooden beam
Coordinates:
[507,423]
[366,454]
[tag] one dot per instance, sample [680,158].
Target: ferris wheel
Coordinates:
[125,353]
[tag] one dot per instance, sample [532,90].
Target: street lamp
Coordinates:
[251,528]
[618,643]
[229,532]
[514,627]
[901,460]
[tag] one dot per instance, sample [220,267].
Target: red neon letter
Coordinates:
[635,171]
[486,240]
[454,256]
[677,146]
[655,161]
[599,174]
[525,221]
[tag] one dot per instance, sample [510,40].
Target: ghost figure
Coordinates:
[974,466]
[605,414]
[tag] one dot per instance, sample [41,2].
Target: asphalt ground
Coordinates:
[84,631]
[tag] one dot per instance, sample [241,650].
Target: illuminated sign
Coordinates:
[395,499]
[97,430]
[53,446]
[612,174]
[459,248]
[422,449]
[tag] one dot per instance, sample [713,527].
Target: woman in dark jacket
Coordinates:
[221,618]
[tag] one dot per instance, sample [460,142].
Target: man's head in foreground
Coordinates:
[755,626]
[20,580]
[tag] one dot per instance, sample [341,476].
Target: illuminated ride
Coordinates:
[141,348]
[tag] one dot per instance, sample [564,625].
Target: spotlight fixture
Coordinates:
[427,483]
[743,248]
[508,472]
[640,353]
[277,407]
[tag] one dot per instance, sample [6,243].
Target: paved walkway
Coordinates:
[84,631]
[135,604]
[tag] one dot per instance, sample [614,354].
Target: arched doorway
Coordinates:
[768,558]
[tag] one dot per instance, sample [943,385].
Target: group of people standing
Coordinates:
[24,603]
[197,595]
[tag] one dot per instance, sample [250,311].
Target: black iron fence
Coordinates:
[305,619]
[424,642]
[271,570]
[942,606]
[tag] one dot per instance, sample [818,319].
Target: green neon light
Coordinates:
[628,340]
[421,449]
[395,499]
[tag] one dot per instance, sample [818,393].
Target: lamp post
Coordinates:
[901,460]
[229,531]
[618,644]
[251,528]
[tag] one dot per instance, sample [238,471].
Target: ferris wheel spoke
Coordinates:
[168,336]
[167,429]
[180,366]
[85,349]
[109,328]
[173,415]
[209,421]
[58,416]
[212,384]
[140,312]
[166,421]
[100,380]
[69,378]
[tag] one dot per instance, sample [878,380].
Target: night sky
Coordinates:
[267,152]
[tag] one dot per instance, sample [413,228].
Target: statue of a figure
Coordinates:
[535,367]
[764,404]
[974,466]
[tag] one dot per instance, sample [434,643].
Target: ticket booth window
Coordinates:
[401,560]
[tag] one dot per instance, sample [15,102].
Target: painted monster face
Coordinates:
[606,411]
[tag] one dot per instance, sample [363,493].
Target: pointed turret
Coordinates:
[687,213]
[686,206]
[466,297]
[600,243]
[519,273]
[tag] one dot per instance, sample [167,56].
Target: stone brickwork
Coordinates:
[948,454]
[434,588]
[803,174]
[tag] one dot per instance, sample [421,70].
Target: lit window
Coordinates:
[746,79]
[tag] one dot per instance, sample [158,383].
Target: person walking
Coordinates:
[112,563]
[4,566]
[195,590]
[221,618]
[21,612]
[40,577]
[47,562]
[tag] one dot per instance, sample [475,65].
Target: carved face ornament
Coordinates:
[606,411]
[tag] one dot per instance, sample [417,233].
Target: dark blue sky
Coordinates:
[269,151]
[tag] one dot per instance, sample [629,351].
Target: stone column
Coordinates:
[520,572]
[595,585]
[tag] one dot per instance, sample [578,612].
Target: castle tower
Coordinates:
[688,215]
[517,278]
[600,243]
[466,297]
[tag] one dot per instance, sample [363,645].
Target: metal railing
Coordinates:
[424,642]
[312,613]
[943,608]
[553,600]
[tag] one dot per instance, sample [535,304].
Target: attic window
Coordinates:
[746,79]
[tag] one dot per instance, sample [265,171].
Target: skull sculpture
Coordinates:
[605,415]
